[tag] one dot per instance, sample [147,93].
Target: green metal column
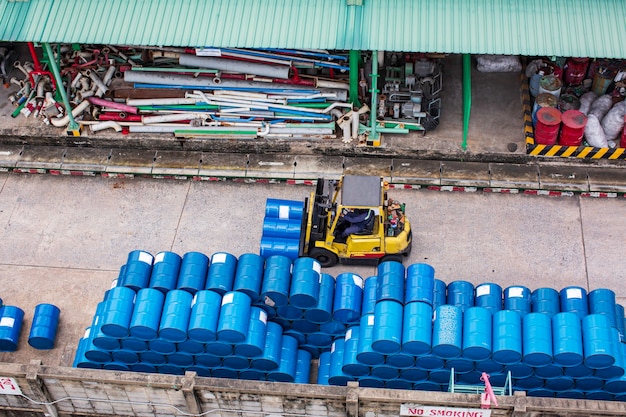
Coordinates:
[374,90]
[467,96]
[355,58]
[72,129]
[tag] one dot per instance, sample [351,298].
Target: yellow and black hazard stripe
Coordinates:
[581,152]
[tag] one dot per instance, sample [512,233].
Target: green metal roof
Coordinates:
[591,28]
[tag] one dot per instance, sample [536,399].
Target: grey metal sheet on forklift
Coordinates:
[358,190]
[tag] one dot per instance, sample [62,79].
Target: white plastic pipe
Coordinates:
[102,88]
[109,124]
[238,66]
[160,101]
[344,123]
[173,117]
[106,79]
[82,106]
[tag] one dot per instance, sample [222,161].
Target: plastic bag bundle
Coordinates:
[498,63]
[601,106]
[594,134]
[613,122]
[586,100]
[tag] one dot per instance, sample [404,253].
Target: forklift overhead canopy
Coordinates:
[361,190]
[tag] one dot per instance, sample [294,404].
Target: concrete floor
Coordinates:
[64,238]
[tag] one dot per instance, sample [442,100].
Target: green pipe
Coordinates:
[73,129]
[354,59]
[374,90]
[467,96]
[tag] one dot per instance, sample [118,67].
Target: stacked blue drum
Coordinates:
[281,228]
[268,318]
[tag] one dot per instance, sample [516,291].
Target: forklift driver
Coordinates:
[354,222]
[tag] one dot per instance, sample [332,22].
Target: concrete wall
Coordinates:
[55,391]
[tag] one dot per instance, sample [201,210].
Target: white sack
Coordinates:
[594,134]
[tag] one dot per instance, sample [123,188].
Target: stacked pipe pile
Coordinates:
[268,319]
[190,92]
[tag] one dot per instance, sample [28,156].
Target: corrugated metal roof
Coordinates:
[591,28]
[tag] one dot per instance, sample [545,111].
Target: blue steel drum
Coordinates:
[305,283]
[115,366]
[152,358]
[91,351]
[597,341]
[117,312]
[323,311]
[366,354]
[537,339]
[209,360]
[304,326]
[489,296]
[11,319]
[190,346]
[286,371]
[284,209]
[589,383]
[574,300]
[384,371]
[319,339]
[619,318]
[221,276]
[285,228]
[398,384]
[618,368]
[400,360]
[426,386]
[162,346]
[270,357]
[300,338]
[143,367]
[175,316]
[507,337]
[144,323]
[278,246]
[371,382]
[520,370]
[255,338]
[530,382]
[578,371]
[323,369]
[171,369]
[420,283]
[447,331]
[236,362]
[387,337]
[205,312]
[303,367]
[573,394]
[472,378]
[545,301]
[276,281]
[559,383]
[540,392]
[43,330]
[252,375]
[517,298]
[165,270]
[369,295]
[460,294]
[417,322]
[429,362]
[80,361]
[193,272]
[101,340]
[133,344]
[390,282]
[477,335]
[567,344]
[137,270]
[350,365]
[234,319]
[439,293]
[249,275]
[599,395]
[413,374]
[489,366]
[439,376]
[348,297]
[289,312]
[333,327]
[124,356]
[313,350]
[602,301]
[461,365]
[549,371]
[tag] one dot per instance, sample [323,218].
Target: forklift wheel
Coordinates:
[325,257]
[397,258]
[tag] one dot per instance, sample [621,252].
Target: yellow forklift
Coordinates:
[351,220]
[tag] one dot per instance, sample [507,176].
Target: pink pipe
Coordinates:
[113,105]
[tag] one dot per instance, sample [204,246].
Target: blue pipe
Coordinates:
[308,53]
[209,88]
[287,58]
